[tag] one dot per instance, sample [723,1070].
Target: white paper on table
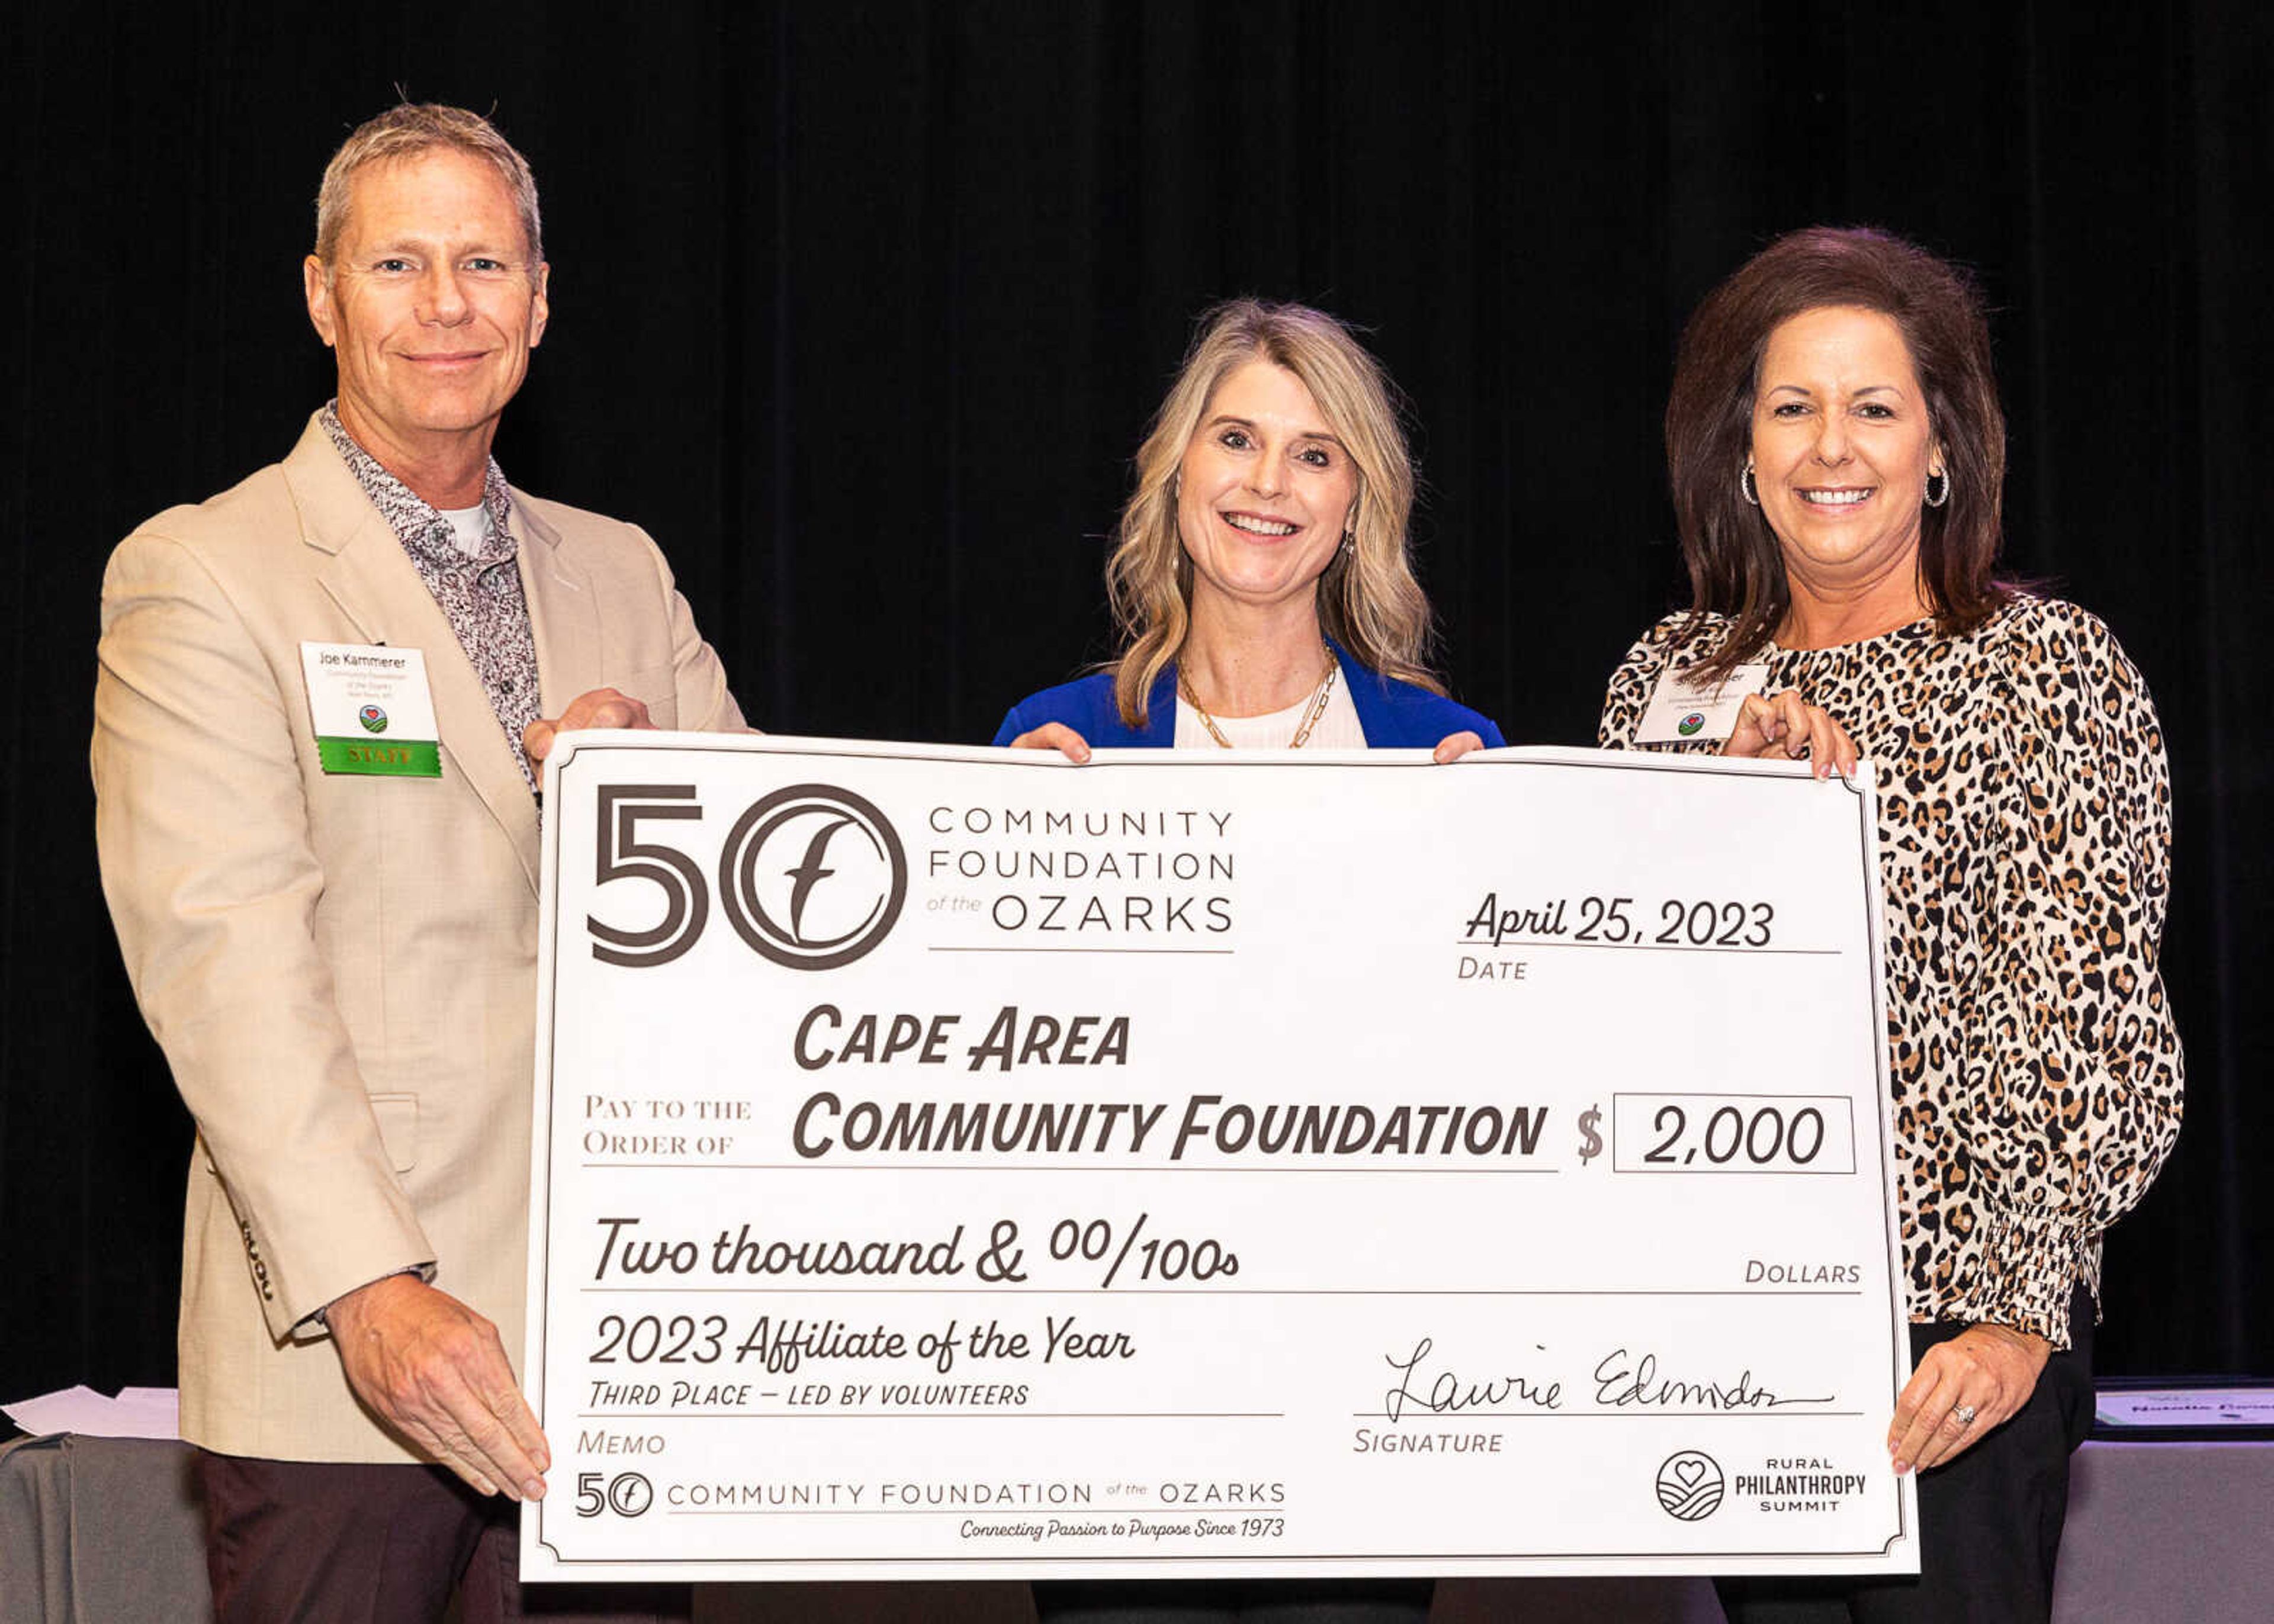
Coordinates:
[137,1412]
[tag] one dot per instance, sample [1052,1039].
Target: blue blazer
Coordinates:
[1392,715]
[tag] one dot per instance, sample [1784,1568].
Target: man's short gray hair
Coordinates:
[407,131]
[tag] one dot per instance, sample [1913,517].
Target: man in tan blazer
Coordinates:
[341,963]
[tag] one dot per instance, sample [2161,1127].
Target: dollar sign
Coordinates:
[1591,1146]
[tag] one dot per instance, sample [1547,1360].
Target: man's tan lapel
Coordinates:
[564,615]
[373,579]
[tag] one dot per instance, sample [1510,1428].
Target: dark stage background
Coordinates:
[860,307]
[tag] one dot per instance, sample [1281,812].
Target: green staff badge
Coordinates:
[370,710]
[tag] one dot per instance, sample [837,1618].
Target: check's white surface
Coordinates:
[1181,1177]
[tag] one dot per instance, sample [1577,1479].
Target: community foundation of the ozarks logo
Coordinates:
[1689,1485]
[374,719]
[816,874]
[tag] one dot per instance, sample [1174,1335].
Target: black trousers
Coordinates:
[1990,1521]
[341,1542]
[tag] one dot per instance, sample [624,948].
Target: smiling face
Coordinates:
[1263,491]
[430,304]
[1842,449]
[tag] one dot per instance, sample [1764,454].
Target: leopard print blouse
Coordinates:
[2025,845]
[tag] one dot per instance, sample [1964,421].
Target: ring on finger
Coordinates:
[1963,1414]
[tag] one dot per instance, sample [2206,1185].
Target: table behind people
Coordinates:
[321,704]
[1837,456]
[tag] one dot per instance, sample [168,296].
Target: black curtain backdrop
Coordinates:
[860,307]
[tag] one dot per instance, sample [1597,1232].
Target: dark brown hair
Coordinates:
[1736,568]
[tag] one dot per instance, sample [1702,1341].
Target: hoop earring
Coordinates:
[1937,495]
[1745,483]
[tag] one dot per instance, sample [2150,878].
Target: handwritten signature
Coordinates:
[1623,1381]
[1448,1394]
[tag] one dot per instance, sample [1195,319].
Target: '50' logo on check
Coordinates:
[811,875]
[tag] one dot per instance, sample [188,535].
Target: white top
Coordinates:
[470,527]
[1338,727]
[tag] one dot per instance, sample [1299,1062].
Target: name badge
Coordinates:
[371,710]
[1681,710]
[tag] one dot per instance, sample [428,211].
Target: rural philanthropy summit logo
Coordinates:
[815,876]
[1689,1485]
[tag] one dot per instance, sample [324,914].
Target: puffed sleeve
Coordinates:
[2072,1042]
[1014,723]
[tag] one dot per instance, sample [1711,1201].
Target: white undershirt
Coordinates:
[1338,727]
[470,527]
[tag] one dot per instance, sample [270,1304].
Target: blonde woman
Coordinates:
[1262,578]
[1266,599]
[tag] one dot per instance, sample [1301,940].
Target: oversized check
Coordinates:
[953,1162]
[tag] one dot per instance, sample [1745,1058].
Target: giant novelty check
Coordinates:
[960,1164]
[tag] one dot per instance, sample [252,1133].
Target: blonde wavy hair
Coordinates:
[1369,600]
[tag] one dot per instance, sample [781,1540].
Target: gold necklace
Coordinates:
[1302,735]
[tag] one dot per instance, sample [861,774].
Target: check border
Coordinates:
[573,749]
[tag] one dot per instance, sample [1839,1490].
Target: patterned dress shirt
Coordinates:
[480,593]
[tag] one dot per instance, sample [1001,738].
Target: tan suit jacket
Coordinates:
[341,970]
